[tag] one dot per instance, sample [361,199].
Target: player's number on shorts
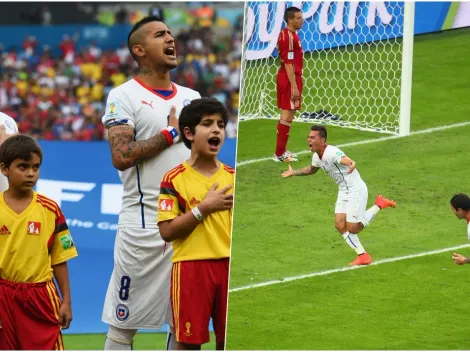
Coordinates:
[124,290]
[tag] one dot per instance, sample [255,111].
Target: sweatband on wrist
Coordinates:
[171,135]
[197,214]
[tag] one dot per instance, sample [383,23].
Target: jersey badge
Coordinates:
[112,110]
[165,204]
[67,241]
[34,228]
[188,329]
[290,56]
[122,312]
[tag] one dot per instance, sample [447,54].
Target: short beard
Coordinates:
[146,70]
[171,66]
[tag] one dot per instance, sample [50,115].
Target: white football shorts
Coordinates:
[352,203]
[138,295]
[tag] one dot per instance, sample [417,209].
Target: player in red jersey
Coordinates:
[289,80]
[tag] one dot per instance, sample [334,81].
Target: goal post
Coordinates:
[357,63]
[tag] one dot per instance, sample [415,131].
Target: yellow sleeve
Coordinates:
[169,202]
[63,247]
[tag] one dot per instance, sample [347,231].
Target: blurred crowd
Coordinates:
[62,96]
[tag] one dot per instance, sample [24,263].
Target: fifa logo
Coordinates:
[111,108]
[188,328]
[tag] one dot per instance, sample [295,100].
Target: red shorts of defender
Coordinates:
[284,92]
[29,316]
[199,290]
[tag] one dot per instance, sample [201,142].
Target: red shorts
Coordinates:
[284,92]
[29,316]
[199,290]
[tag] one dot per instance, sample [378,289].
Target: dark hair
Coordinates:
[321,131]
[460,201]
[18,147]
[137,25]
[290,12]
[192,114]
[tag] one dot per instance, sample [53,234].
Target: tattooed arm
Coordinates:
[126,152]
[307,170]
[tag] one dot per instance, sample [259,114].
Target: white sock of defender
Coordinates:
[353,241]
[119,339]
[369,215]
[171,343]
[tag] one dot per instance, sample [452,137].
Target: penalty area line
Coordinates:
[348,268]
[368,141]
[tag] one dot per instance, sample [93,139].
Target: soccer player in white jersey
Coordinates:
[141,117]
[351,215]
[460,205]
[8,128]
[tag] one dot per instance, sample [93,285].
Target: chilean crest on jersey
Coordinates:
[122,312]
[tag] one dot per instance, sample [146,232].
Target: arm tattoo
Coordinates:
[467,260]
[123,145]
[307,170]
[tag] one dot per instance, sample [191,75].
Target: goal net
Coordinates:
[357,63]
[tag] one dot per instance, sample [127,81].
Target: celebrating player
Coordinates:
[35,244]
[141,117]
[195,214]
[11,124]
[460,205]
[350,213]
[289,80]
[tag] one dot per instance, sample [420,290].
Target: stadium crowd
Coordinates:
[62,96]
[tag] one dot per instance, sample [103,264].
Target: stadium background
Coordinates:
[58,63]
[287,259]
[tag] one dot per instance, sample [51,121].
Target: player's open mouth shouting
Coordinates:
[214,143]
[170,51]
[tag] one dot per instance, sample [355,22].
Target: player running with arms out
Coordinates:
[8,128]
[141,117]
[351,216]
[35,244]
[460,205]
[195,215]
[289,80]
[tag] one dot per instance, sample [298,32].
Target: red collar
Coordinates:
[138,80]
[321,155]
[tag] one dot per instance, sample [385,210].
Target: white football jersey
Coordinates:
[468,230]
[137,105]
[11,127]
[330,163]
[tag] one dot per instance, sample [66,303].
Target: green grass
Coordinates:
[413,304]
[143,341]
[285,227]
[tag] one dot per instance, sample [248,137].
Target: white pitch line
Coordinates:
[367,141]
[333,271]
